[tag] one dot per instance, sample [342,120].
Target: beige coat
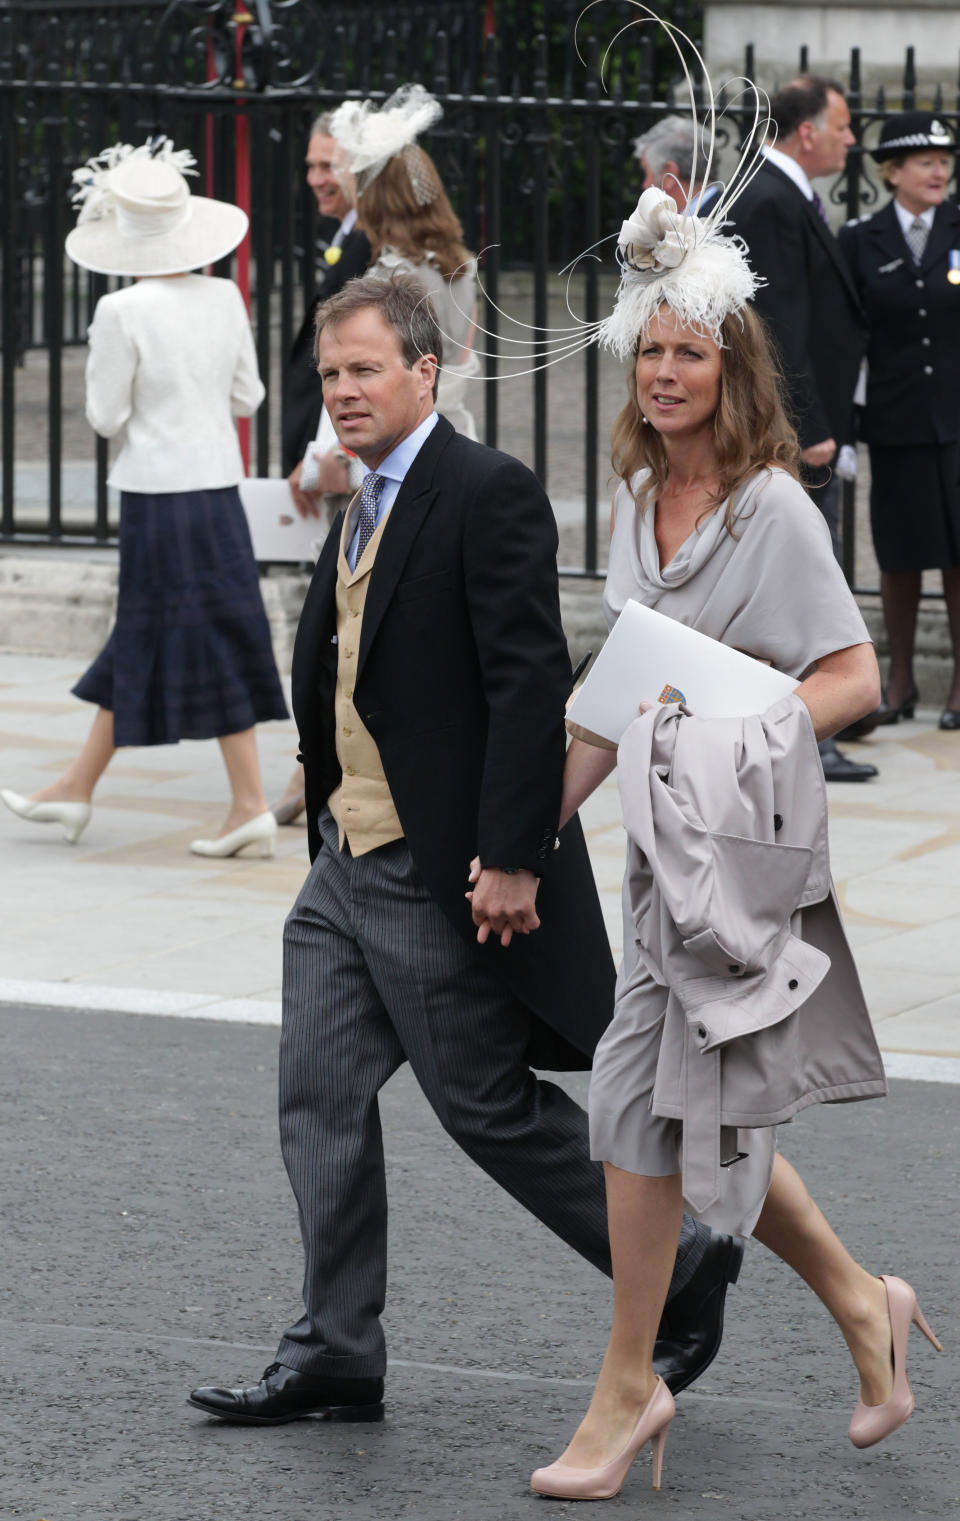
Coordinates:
[729,889]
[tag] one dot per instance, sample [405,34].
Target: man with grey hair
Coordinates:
[665,153]
[429,679]
[345,256]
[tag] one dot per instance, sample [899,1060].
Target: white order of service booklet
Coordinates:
[650,658]
[276,528]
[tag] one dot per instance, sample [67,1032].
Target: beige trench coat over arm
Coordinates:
[730,892]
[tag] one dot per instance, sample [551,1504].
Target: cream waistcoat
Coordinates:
[362,805]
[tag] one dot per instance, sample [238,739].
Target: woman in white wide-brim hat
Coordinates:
[171,364]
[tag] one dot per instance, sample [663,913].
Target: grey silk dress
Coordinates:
[772,589]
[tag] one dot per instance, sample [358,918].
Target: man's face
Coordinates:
[330,189]
[373,400]
[827,138]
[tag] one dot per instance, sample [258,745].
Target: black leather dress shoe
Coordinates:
[691,1327]
[839,768]
[861,728]
[285,1394]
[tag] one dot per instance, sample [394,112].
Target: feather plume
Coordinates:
[91,182]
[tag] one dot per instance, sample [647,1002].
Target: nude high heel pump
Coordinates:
[73,816]
[566,1483]
[871,1423]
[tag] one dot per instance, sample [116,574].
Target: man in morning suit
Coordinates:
[429,680]
[809,302]
[345,257]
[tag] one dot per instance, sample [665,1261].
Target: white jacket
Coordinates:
[172,362]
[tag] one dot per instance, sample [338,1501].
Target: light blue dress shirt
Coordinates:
[393,469]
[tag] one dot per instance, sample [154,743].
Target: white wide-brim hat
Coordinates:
[139,218]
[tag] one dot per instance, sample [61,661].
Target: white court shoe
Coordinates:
[73,816]
[260,831]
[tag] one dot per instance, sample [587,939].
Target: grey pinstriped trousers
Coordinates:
[375,974]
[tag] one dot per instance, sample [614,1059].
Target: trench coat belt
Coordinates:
[700,1149]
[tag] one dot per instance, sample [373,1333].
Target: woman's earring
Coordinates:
[642,418]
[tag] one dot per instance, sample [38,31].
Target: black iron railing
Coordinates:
[535,152]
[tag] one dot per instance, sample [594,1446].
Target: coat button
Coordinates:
[793,984]
[777,821]
[701,1032]
[925,342]
[928,369]
[733,968]
[918,284]
[922,312]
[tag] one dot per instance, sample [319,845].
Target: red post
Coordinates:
[241,20]
[490,20]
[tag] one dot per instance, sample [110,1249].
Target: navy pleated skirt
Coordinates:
[190,654]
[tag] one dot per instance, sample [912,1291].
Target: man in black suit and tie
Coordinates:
[344,258]
[429,682]
[809,301]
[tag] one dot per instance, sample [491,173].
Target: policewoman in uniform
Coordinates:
[905,262]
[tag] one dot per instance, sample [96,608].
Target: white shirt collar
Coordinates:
[399,460]
[346,226]
[906,218]
[790,168]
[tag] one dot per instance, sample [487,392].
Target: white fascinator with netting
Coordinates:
[664,254]
[369,136]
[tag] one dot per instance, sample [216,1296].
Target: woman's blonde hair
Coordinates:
[392,217]
[750,427]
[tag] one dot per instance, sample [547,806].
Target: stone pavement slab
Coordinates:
[150,1243]
[128,919]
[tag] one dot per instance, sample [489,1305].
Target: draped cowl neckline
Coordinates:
[694,552]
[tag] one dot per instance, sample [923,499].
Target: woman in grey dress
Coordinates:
[711,527]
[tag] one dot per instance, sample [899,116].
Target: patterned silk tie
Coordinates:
[817,205]
[369,498]
[916,236]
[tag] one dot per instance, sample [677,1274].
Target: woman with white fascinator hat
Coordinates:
[738,1002]
[405,212]
[171,364]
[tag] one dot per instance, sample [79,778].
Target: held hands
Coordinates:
[503,903]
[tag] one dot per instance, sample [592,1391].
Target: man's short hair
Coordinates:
[672,138]
[321,126]
[403,303]
[803,99]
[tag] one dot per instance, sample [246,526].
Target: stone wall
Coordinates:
[779,28]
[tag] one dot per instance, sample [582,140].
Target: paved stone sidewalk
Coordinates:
[128,919]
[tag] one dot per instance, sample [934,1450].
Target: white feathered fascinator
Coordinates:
[92,190]
[370,136]
[665,255]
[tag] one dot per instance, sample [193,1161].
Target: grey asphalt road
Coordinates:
[149,1243]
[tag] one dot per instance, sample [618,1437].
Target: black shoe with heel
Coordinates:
[892,715]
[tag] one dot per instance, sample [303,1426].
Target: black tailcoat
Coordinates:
[809,303]
[303,397]
[462,677]
[913,380]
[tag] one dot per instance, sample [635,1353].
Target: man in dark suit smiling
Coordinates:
[429,681]
[345,257]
